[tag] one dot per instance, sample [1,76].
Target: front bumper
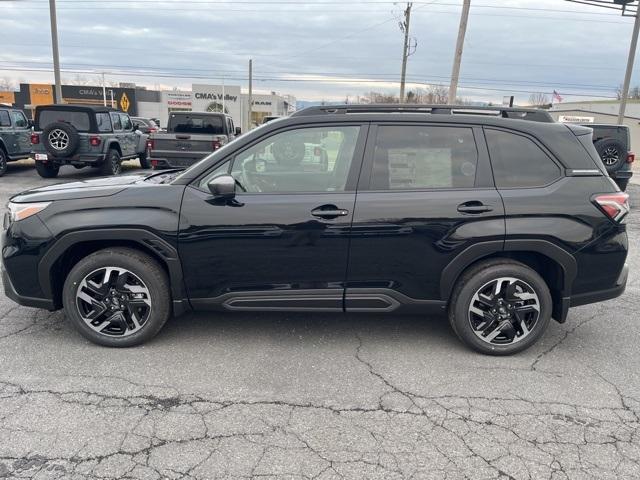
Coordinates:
[10,292]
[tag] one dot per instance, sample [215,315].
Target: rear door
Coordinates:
[130,138]
[8,133]
[425,195]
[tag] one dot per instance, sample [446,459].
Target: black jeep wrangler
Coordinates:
[613,144]
[499,218]
[15,132]
[85,136]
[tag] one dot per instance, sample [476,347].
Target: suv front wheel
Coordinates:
[500,307]
[112,164]
[117,297]
[47,169]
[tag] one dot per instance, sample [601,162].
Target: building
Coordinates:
[600,112]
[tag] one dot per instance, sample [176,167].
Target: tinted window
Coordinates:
[104,123]
[417,157]
[19,120]
[206,124]
[4,119]
[115,119]
[518,161]
[302,160]
[80,120]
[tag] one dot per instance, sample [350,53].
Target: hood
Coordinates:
[99,187]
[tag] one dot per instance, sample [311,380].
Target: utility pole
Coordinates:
[627,76]
[250,93]
[56,54]
[404,27]
[104,90]
[455,73]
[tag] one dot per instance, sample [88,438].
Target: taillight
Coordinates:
[35,139]
[317,152]
[154,163]
[95,141]
[150,144]
[153,130]
[631,157]
[615,205]
[216,144]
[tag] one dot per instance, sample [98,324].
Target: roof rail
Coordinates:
[531,114]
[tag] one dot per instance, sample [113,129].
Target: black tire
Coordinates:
[612,152]
[473,281]
[3,162]
[146,269]
[622,183]
[144,159]
[289,151]
[112,164]
[47,169]
[60,139]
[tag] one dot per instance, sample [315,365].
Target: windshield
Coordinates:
[193,123]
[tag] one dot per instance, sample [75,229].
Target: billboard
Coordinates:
[121,98]
[212,98]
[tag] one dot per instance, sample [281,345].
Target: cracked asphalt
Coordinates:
[319,396]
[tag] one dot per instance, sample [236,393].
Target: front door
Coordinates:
[22,132]
[425,196]
[283,241]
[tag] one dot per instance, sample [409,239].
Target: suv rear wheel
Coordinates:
[117,297]
[112,164]
[500,307]
[47,169]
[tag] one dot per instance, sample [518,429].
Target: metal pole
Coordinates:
[250,94]
[627,77]
[455,73]
[56,53]
[104,90]
[224,106]
[405,50]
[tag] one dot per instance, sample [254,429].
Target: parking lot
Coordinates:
[318,395]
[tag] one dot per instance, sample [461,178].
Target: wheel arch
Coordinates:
[113,144]
[555,265]
[56,264]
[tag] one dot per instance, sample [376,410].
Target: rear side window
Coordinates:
[104,122]
[4,119]
[205,124]
[518,162]
[115,118]
[80,120]
[424,157]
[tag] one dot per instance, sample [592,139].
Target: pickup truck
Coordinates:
[190,136]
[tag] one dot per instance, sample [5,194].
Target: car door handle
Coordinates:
[474,208]
[329,211]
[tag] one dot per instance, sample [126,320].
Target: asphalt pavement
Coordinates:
[319,396]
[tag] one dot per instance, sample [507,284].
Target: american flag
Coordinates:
[556,96]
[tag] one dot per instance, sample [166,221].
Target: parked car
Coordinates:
[145,125]
[85,136]
[501,223]
[15,135]
[270,118]
[190,136]
[613,144]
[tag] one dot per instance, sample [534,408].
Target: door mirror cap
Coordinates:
[223,186]
[238,131]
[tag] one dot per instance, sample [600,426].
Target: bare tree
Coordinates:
[6,84]
[539,99]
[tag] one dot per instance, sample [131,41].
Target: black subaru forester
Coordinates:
[500,218]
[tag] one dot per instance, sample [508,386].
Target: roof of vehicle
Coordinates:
[200,113]
[78,108]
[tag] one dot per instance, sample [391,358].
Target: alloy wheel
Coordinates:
[504,311]
[113,301]
[58,139]
[610,156]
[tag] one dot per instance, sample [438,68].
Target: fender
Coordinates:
[111,143]
[475,252]
[144,238]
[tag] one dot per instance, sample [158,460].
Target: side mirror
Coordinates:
[238,131]
[223,187]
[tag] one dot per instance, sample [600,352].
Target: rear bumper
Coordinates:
[76,159]
[622,174]
[602,295]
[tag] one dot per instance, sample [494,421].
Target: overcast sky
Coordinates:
[324,49]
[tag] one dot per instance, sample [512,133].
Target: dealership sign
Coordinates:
[575,119]
[123,98]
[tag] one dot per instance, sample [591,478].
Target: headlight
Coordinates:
[20,211]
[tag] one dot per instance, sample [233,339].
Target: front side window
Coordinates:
[19,120]
[104,122]
[424,157]
[302,160]
[115,119]
[518,162]
[80,120]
